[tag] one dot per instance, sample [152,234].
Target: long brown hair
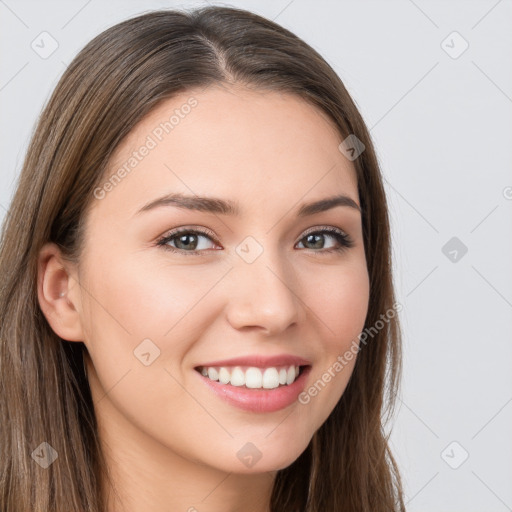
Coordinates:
[118,78]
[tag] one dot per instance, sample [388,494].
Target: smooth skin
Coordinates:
[171,443]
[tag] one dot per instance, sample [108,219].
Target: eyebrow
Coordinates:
[225,207]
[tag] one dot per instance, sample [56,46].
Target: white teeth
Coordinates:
[213,374]
[270,378]
[224,376]
[237,377]
[252,377]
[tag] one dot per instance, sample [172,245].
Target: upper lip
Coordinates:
[261,361]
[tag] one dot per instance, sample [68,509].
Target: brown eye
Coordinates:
[316,239]
[186,241]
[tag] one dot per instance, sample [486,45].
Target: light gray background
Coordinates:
[443,131]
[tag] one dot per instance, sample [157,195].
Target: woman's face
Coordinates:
[157,312]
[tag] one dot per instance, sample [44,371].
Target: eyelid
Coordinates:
[190,229]
[315,229]
[210,233]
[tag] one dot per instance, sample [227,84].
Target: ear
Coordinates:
[59,293]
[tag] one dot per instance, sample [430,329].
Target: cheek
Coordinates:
[130,303]
[340,305]
[341,302]
[133,299]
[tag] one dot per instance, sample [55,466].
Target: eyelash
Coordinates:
[343,239]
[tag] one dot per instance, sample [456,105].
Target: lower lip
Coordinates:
[259,400]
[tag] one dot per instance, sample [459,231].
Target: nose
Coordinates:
[263,296]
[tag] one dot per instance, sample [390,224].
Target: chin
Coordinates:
[265,460]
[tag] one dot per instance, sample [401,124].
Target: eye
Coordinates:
[187,241]
[317,237]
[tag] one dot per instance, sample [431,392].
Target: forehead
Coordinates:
[230,142]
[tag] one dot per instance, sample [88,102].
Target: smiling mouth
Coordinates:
[252,377]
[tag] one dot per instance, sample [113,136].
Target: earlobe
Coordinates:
[58,295]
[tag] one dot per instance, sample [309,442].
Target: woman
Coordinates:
[252,373]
